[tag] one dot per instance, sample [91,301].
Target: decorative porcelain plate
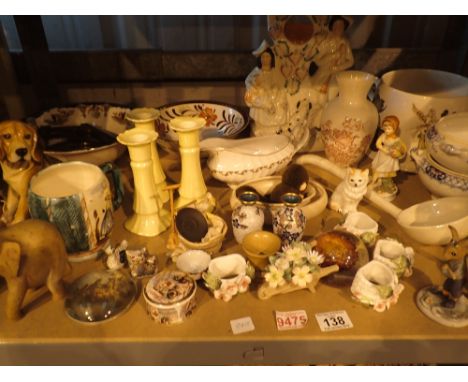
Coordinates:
[222,121]
[99,296]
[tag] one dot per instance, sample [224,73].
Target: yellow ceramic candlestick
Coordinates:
[149,218]
[192,185]
[143,118]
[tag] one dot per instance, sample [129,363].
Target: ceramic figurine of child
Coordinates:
[334,53]
[387,161]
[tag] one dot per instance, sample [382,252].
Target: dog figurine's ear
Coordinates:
[36,151]
[2,152]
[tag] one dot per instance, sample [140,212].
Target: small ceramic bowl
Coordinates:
[428,222]
[83,133]
[213,245]
[313,204]
[170,297]
[439,180]
[222,121]
[259,246]
[447,142]
[193,262]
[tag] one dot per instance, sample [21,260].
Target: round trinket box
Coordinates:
[170,297]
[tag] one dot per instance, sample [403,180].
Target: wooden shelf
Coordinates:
[400,335]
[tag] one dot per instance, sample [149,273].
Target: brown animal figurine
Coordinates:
[20,160]
[32,254]
[454,270]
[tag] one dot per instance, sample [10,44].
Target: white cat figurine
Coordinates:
[350,191]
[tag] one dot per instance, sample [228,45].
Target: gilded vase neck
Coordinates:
[354,85]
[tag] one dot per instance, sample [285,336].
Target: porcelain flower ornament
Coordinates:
[295,264]
[275,276]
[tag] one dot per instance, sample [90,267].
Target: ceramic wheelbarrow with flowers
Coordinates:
[296,267]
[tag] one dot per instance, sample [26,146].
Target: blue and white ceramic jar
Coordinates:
[247,217]
[289,221]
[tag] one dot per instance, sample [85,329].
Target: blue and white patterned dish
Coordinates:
[222,121]
[447,142]
[439,180]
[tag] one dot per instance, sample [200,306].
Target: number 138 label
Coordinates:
[330,321]
[295,319]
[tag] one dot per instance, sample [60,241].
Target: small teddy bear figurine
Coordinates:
[294,180]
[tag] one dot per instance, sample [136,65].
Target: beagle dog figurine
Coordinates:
[20,159]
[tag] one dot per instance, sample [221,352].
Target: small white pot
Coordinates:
[228,276]
[395,255]
[359,223]
[376,285]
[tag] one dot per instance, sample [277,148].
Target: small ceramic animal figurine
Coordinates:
[141,263]
[387,161]
[20,160]
[32,254]
[116,257]
[448,303]
[455,271]
[350,191]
